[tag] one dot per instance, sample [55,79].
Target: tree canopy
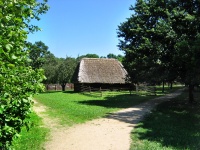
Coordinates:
[50,68]
[87,56]
[18,82]
[65,71]
[160,41]
[37,53]
[118,57]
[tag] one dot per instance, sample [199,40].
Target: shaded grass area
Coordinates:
[32,139]
[173,125]
[167,89]
[117,101]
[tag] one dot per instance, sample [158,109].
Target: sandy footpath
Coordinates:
[109,133]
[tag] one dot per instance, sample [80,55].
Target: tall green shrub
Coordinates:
[18,82]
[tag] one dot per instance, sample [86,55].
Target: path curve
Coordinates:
[108,133]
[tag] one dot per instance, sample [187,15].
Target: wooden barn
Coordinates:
[100,73]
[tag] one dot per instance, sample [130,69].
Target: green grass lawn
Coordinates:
[72,108]
[174,125]
[32,139]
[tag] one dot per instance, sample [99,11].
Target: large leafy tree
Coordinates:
[118,57]
[111,55]
[186,23]
[18,82]
[160,41]
[50,67]
[65,71]
[37,53]
[137,40]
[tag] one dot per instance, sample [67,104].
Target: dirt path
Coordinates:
[109,133]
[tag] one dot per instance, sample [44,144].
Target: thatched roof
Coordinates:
[101,70]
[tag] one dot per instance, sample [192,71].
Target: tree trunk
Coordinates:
[191,96]
[63,86]
[47,87]
[171,84]
[55,87]
[163,88]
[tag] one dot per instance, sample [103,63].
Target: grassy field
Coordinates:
[174,125]
[72,108]
[32,139]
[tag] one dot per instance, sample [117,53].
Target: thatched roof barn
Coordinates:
[99,72]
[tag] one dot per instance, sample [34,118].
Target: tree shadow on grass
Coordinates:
[127,100]
[172,124]
[136,105]
[118,101]
[69,92]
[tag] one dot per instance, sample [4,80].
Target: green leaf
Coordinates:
[14,57]
[8,47]
[11,65]
[1,109]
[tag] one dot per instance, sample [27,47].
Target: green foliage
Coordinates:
[37,53]
[110,55]
[18,81]
[91,56]
[65,71]
[50,67]
[87,56]
[159,41]
[139,39]
[118,57]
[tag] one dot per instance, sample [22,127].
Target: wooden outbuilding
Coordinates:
[100,73]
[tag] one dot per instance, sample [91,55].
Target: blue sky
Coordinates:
[78,27]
